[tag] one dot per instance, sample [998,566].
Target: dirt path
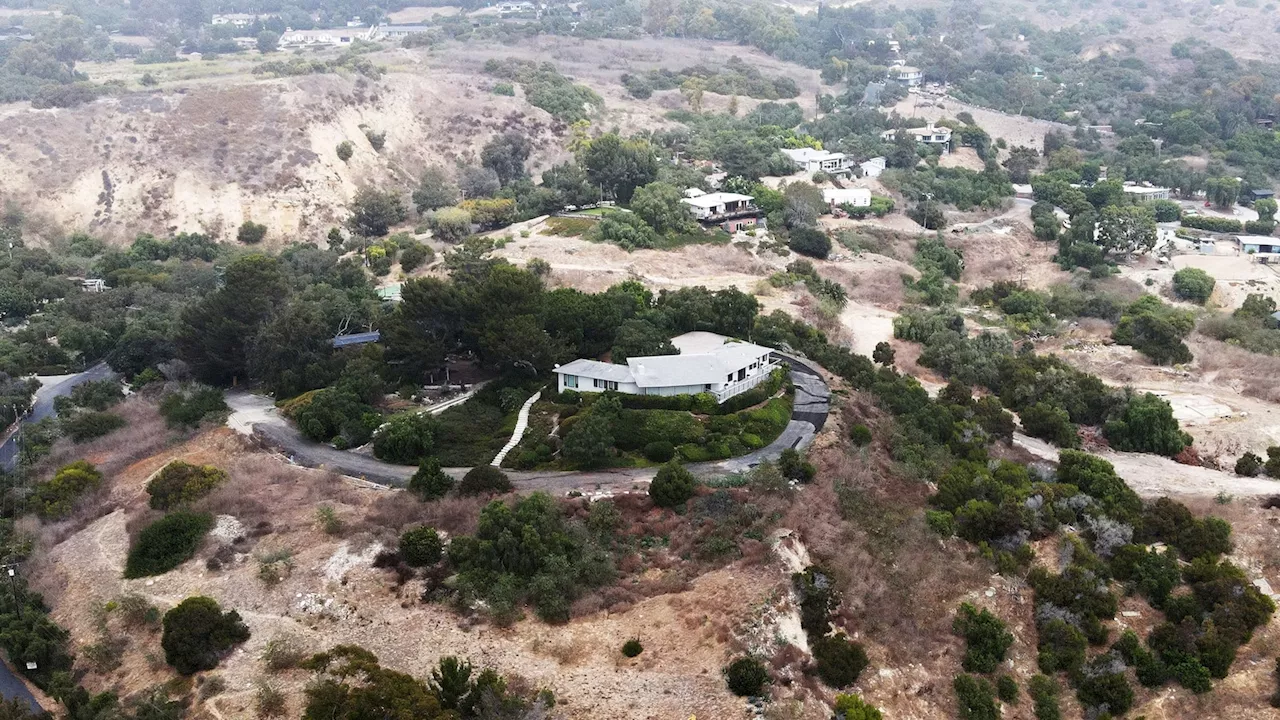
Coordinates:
[1154,476]
[868,325]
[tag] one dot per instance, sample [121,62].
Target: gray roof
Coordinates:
[596,370]
[357,339]
[676,370]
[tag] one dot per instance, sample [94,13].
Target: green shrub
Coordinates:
[672,486]
[1146,424]
[1044,696]
[977,698]
[1050,422]
[56,497]
[795,467]
[251,233]
[1061,647]
[746,677]
[941,522]
[659,451]
[95,395]
[860,435]
[852,707]
[986,638]
[1193,284]
[632,648]
[421,546]
[197,633]
[504,89]
[180,483]
[191,407]
[430,482]
[85,426]
[345,150]
[1249,465]
[167,543]
[1212,224]
[1103,689]
[1166,211]
[407,439]
[484,480]
[1007,689]
[1272,466]
[839,660]
[808,241]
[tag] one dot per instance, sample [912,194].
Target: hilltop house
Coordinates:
[857,197]
[812,161]
[1146,191]
[707,363]
[906,75]
[929,135]
[330,36]
[729,210]
[873,167]
[397,32]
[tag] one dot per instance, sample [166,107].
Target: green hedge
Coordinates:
[1212,224]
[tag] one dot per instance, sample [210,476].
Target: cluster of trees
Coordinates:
[1250,326]
[736,77]
[545,88]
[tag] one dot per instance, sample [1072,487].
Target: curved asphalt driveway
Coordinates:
[808,415]
[43,408]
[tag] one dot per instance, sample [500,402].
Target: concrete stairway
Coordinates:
[522,424]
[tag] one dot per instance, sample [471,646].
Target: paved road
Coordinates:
[809,414]
[43,408]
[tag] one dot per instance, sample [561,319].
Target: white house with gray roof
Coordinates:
[707,362]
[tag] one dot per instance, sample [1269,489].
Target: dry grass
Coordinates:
[1250,373]
[144,436]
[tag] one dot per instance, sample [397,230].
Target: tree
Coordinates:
[1222,191]
[484,480]
[1127,229]
[435,190]
[661,205]
[268,42]
[351,685]
[251,233]
[505,156]
[1146,424]
[986,638]
[430,482]
[1193,284]
[811,242]
[1021,161]
[589,443]
[692,90]
[450,224]
[883,354]
[478,182]
[373,212]
[1266,208]
[672,486]
[421,546]
[619,166]
[345,150]
[214,333]
[197,633]
[803,204]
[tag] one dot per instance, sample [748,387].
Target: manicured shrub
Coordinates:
[1193,284]
[659,451]
[197,634]
[672,486]
[56,497]
[85,426]
[977,698]
[839,660]
[484,480]
[632,648]
[167,543]
[1249,465]
[746,677]
[1212,224]
[421,546]
[430,482]
[180,483]
[986,638]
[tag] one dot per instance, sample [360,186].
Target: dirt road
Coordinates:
[1154,476]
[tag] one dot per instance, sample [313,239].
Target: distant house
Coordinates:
[906,75]
[1258,244]
[365,338]
[511,8]
[812,161]
[857,197]
[397,32]
[720,206]
[1146,191]
[873,167]
[1257,194]
[329,36]
[237,19]
[93,285]
[929,135]
[707,363]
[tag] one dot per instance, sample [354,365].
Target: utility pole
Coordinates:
[12,570]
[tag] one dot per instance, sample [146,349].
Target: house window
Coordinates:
[606,384]
[571,381]
[706,388]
